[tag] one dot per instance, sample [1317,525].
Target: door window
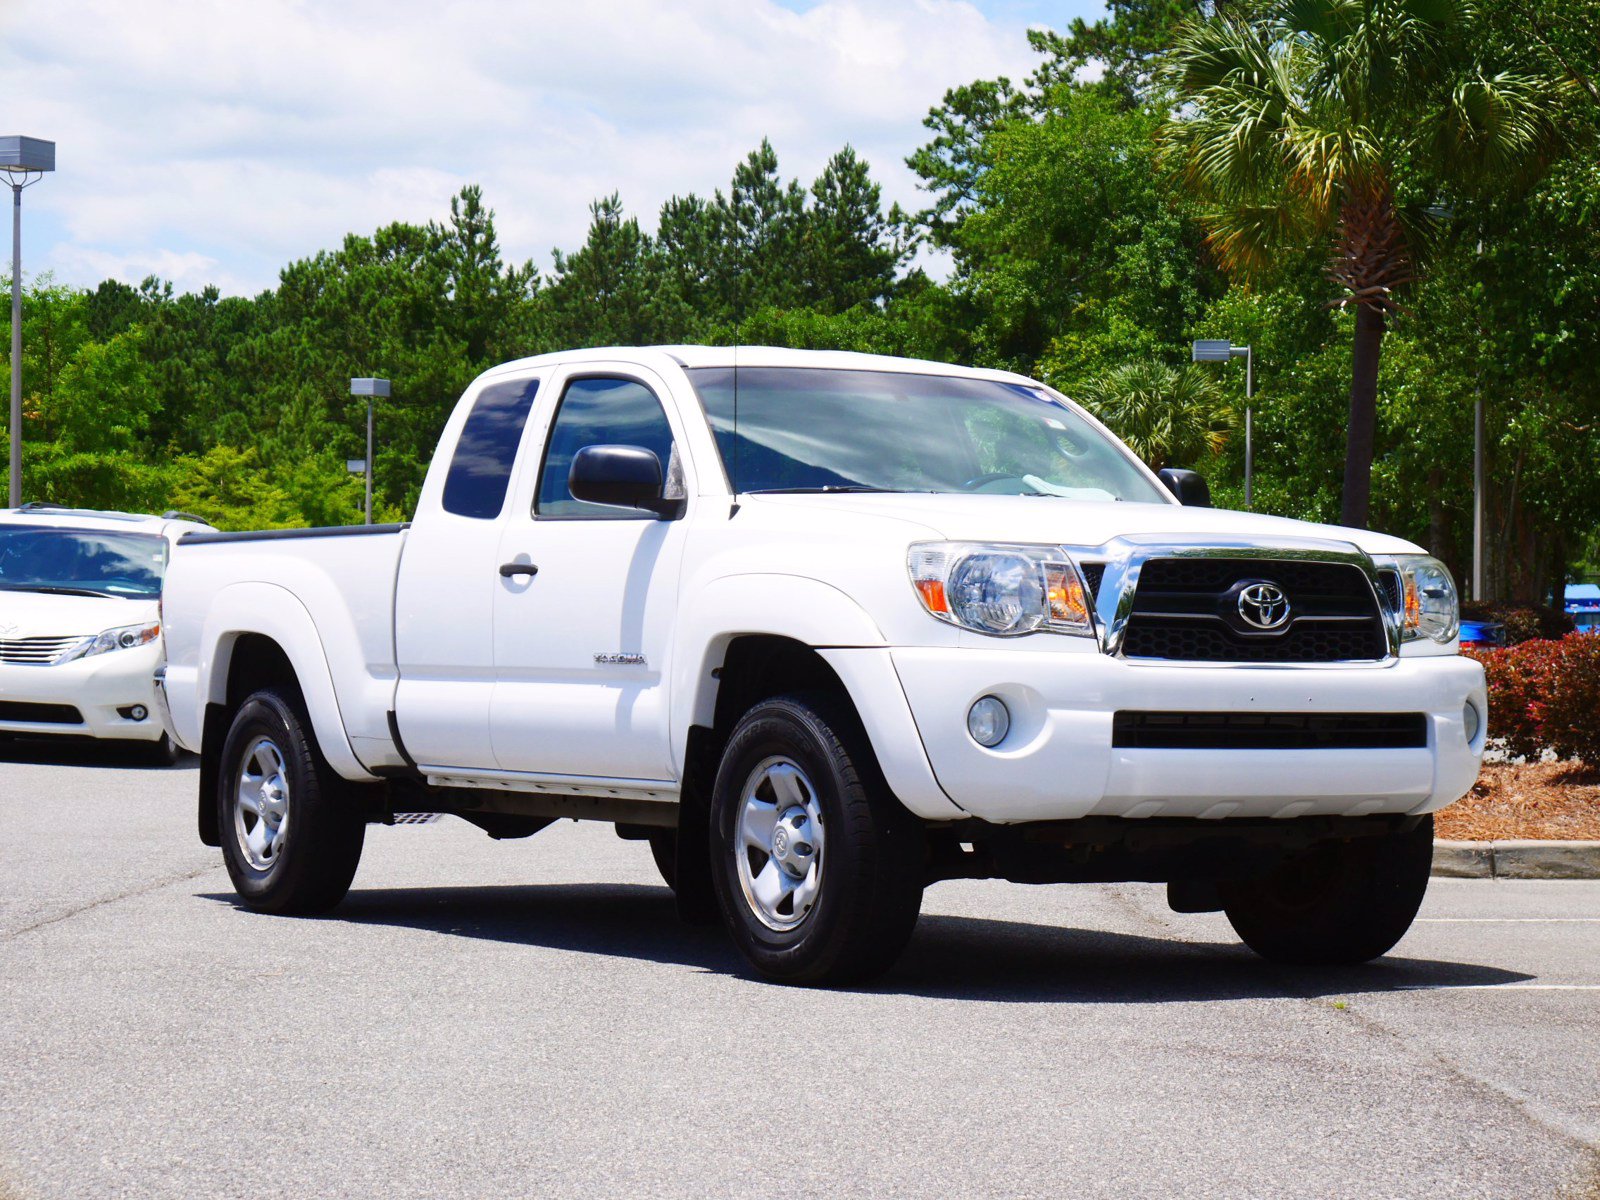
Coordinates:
[604,412]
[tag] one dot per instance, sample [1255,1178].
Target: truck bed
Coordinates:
[325,592]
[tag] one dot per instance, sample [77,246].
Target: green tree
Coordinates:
[1168,416]
[1346,122]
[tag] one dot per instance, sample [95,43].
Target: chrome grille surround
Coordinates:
[39,651]
[1125,557]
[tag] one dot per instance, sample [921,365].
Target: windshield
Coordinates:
[39,558]
[819,429]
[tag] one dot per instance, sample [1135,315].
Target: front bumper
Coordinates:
[94,688]
[1058,761]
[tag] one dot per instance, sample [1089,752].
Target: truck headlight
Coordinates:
[1429,606]
[124,637]
[1001,590]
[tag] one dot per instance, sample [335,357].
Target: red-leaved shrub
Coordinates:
[1546,694]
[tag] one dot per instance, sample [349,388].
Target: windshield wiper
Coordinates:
[830,487]
[55,590]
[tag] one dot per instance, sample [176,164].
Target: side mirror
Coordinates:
[1188,486]
[622,477]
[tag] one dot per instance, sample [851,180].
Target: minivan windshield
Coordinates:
[81,562]
[817,429]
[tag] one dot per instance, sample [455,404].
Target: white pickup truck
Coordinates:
[824,629]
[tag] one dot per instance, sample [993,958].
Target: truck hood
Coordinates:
[1054,520]
[42,614]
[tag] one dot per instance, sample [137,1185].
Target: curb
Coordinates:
[1516,860]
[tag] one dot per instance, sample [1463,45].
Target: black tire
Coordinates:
[664,849]
[162,753]
[1338,903]
[311,868]
[871,866]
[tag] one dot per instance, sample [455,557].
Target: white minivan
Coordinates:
[80,622]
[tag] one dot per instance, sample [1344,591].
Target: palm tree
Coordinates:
[1346,123]
[1165,414]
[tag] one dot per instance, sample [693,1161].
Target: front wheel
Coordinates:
[818,869]
[291,838]
[1338,903]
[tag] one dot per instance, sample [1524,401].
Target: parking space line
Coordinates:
[1509,920]
[1501,987]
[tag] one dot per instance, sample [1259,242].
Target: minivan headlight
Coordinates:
[1001,590]
[1429,605]
[124,637]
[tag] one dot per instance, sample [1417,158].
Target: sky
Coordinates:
[214,141]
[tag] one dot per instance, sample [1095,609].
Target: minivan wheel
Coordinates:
[818,869]
[291,838]
[1338,903]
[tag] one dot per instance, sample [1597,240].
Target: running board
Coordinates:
[631,802]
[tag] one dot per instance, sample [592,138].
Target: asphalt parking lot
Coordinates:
[528,1018]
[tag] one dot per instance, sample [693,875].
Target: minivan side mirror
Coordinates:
[622,477]
[1188,486]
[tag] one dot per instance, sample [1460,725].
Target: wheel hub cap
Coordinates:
[261,804]
[779,845]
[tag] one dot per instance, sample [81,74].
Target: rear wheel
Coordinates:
[818,869]
[1338,903]
[291,838]
[664,849]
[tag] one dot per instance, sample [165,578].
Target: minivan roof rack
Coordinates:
[175,514]
[45,506]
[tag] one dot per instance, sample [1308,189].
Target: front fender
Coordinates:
[821,616]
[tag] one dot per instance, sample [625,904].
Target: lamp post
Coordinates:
[1221,350]
[24,160]
[371,389]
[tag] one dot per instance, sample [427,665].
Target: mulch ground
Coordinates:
[1554,801]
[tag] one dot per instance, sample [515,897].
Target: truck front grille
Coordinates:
[1188,609]
[36,651]
[1268,731]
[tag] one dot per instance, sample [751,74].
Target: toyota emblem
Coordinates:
[1264,606]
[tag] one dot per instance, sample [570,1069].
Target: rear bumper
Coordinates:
[82,698]
[1059,762]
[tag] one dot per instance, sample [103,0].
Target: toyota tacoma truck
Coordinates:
[824,629]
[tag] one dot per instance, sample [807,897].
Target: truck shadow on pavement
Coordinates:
[970,958]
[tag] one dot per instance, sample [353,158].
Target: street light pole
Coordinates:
[371,389]
[1249,443]
[1222,350]
[14,470]
[24,160]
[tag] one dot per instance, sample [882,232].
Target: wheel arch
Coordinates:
[810,637]
[264,638]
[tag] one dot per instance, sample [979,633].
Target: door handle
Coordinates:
[507,570]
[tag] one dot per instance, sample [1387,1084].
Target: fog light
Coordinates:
[133,712]
[1469,721]
[988,721]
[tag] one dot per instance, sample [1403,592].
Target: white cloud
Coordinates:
[209,140]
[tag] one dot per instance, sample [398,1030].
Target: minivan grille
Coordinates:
[1188,609]
[39,714]
[39,651]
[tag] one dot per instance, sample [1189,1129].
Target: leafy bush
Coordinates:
[1545,694]
[1569,716]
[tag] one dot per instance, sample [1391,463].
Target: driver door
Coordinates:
[582,647]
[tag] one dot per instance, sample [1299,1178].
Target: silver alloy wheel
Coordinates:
[778,851]
[261,804]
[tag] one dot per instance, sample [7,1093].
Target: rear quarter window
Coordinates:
[480,470]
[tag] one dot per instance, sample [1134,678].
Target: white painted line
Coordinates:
[1502,987]
[1510,920]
